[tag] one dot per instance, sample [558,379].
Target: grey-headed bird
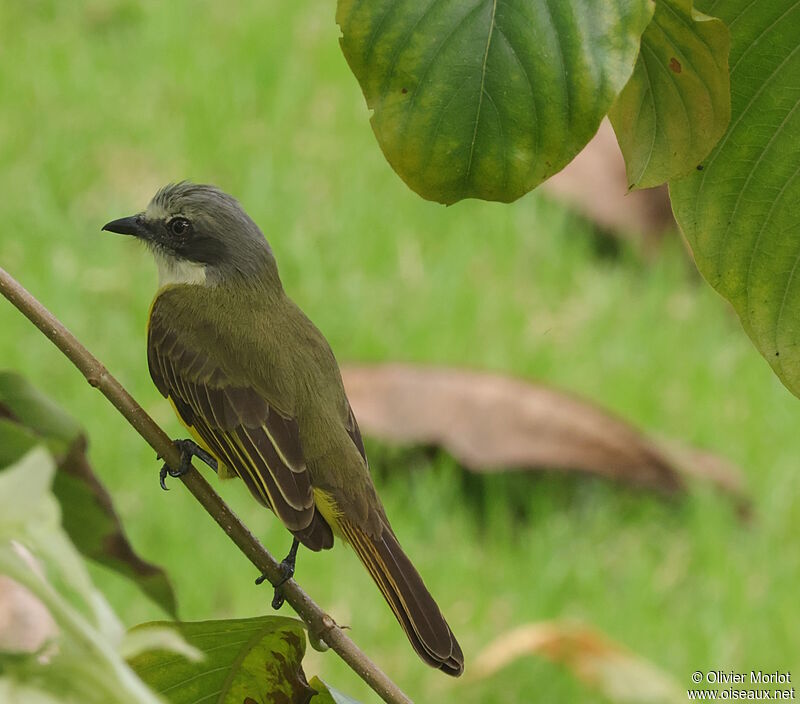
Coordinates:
[257,386]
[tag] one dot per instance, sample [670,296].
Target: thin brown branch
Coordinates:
[319,623]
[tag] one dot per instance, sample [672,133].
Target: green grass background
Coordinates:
[101,102]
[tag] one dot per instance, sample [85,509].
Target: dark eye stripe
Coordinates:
[206,250]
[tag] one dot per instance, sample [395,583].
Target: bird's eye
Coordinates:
[179,226]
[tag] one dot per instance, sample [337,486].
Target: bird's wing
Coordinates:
[355,432]
[239,426]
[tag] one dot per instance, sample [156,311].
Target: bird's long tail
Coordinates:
[405,592]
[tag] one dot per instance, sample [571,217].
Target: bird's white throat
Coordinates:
[178,271]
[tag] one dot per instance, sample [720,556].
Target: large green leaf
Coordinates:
[677,104]
[28,418]
[85,666]
[487,99]
[252,660]
[739,209]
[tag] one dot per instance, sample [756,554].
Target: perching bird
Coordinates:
[258,387]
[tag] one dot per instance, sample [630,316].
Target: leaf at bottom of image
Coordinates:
[250,660]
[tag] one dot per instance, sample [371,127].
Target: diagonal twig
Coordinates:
[319,623]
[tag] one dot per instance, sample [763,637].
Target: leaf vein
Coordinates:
[766,221]
[204,673]
[528,80]
[432,60]
[755,42]
[373,39]
[769,79]
[732,128]
[402,44]
[481,93]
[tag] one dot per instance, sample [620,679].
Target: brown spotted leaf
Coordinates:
[493,422]
[250,660]
[677,104]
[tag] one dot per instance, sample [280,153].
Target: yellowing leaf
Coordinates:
[257,660]
[677,104]
[487,99]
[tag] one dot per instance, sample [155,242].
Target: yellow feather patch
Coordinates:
[329,511]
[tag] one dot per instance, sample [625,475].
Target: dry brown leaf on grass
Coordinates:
[697,463]
[593,658]
[493,422]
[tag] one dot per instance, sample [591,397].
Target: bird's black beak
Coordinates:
[133,225]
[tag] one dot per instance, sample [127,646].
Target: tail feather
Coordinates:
[406,594]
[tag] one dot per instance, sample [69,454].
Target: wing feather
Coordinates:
[223,449]
[292,484]
[239,426]
[355,433]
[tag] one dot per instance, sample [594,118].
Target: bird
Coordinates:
[257,386]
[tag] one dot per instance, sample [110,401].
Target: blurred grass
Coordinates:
[102,102]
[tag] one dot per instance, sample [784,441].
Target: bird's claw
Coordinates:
[287,571]
[188,449]
[287,568]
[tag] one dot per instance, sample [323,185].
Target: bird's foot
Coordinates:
[287,570]
[188,449]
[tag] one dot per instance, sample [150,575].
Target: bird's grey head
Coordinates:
[198,234]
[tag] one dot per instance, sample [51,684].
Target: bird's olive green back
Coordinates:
[245,362]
